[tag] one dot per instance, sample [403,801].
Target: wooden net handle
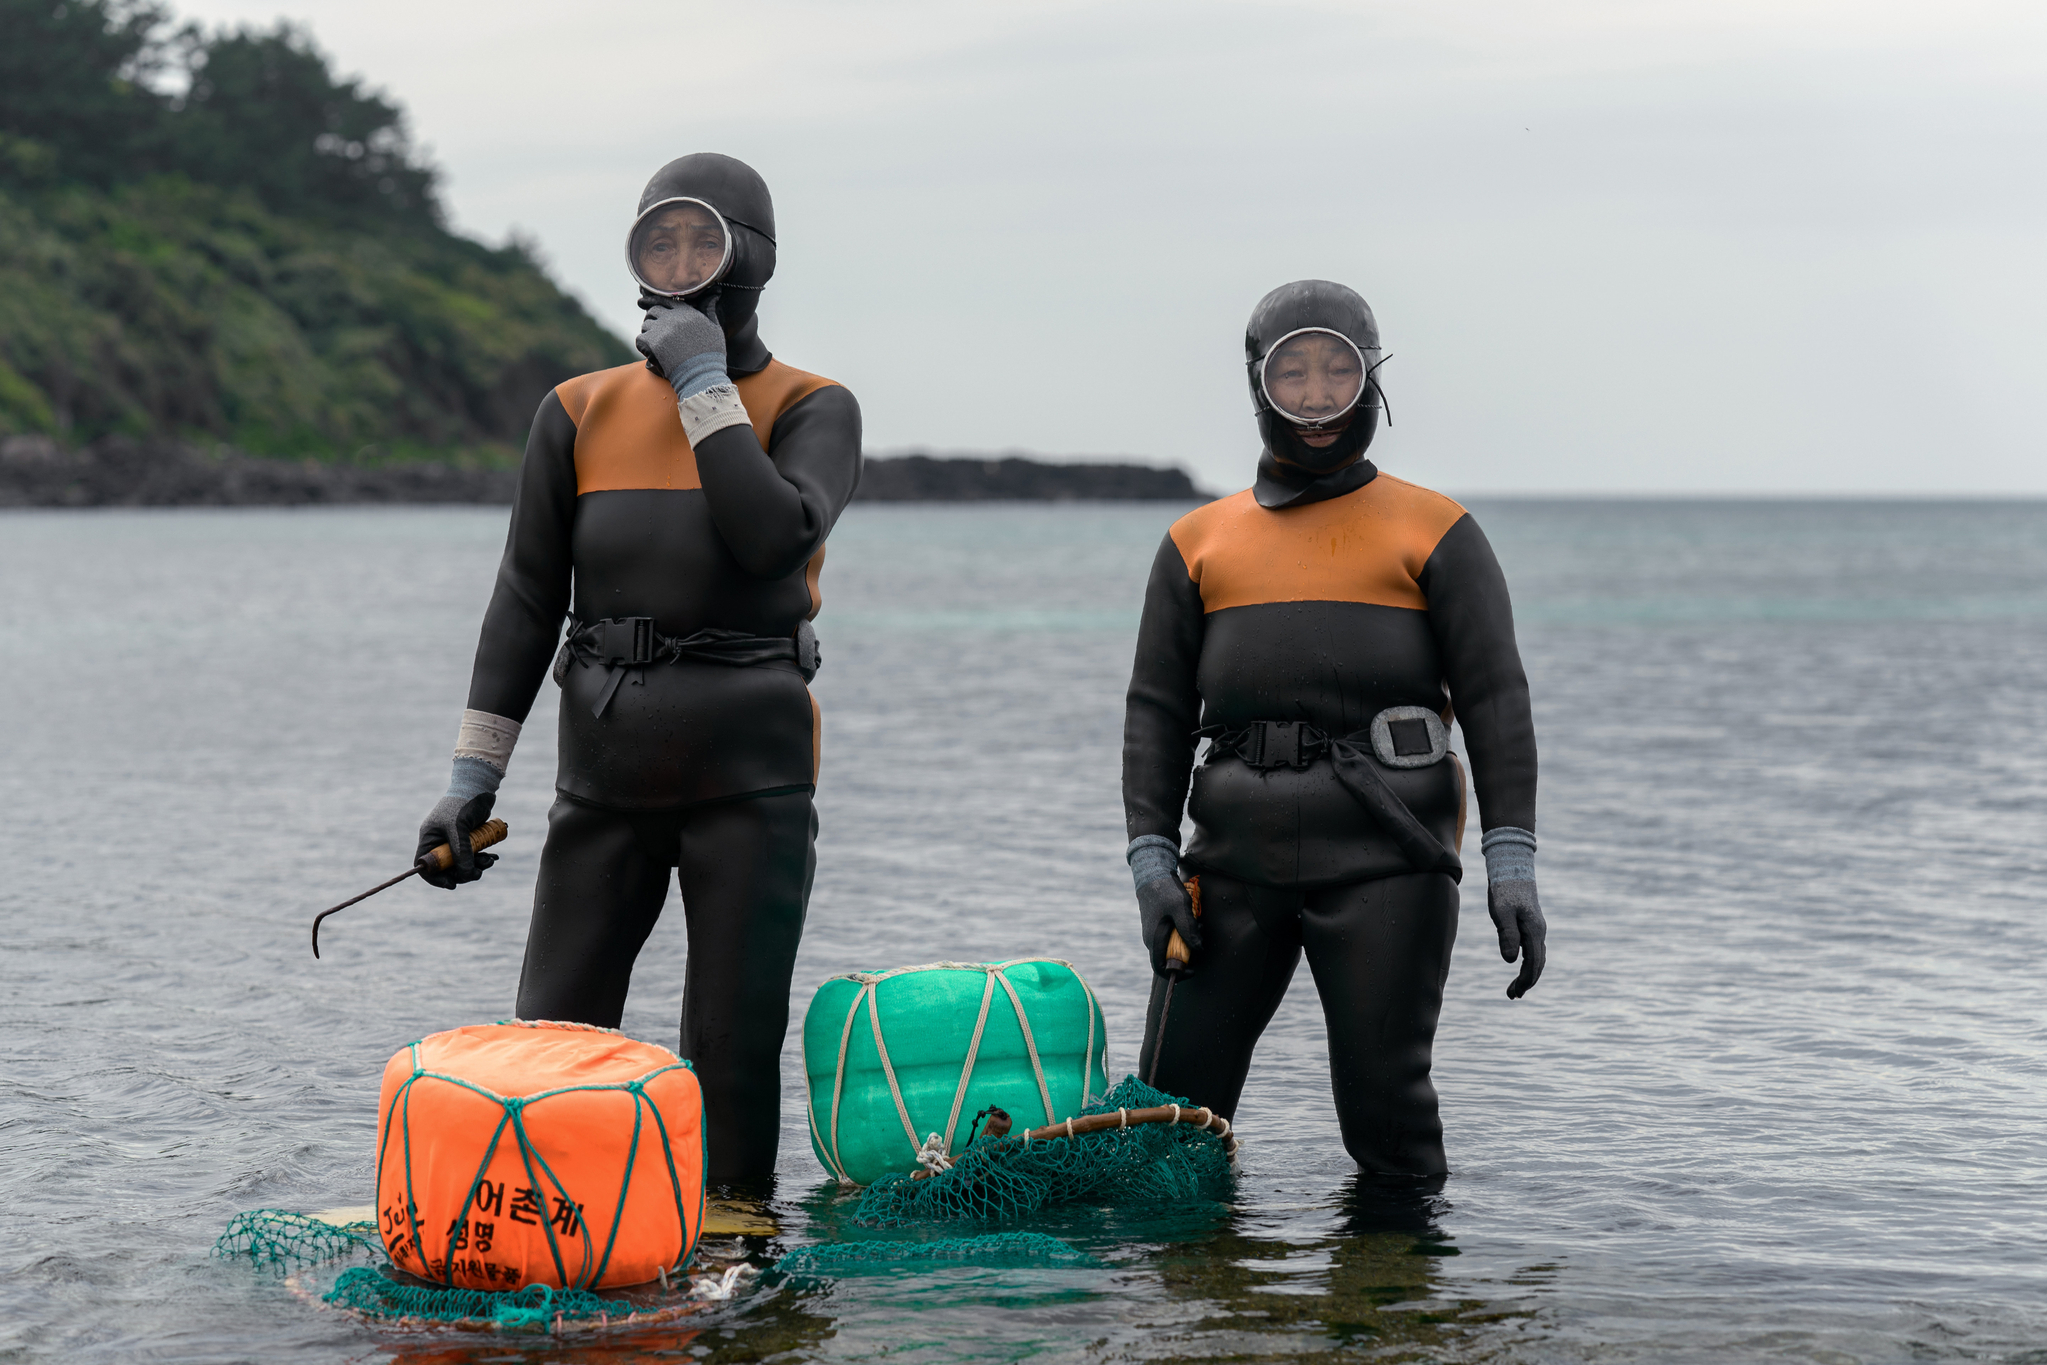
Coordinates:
[1177,952]
[1203,1118]
[482,837]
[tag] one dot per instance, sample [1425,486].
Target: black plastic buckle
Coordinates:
[625,640]
[1278,745]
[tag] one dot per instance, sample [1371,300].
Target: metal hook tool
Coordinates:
[439,860]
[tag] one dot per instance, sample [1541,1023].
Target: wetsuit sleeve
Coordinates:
[773,508]
[522,625]
[1163,709]
[1473,622]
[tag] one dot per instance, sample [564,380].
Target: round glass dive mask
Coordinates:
[1313,377]
[679,247]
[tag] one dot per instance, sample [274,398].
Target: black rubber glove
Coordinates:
[1163,906]
[449,822]
[1517,914]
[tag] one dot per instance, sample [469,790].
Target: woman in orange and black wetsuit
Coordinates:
[684,505]
[1321,629]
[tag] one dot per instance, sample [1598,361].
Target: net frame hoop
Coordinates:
[1202,1120]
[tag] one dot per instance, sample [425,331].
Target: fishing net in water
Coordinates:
[375,1294]
[994,1249]
[282,1239]
[1136,1146]
[278,1237]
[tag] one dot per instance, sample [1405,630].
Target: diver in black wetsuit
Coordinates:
[1320,629]
[685,503]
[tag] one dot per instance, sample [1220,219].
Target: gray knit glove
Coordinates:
[686,346]
[472,791]
[1162,901]
[1511,901]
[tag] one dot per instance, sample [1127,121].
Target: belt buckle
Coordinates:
[1279,745]
[625,640]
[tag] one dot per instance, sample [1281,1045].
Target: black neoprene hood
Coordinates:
[1288,309]
[739,194]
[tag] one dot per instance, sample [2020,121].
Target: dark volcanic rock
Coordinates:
[926,478]
[121,472]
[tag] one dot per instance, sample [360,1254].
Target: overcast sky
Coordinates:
[1659,245]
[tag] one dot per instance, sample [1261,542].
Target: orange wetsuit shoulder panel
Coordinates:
[1368,546]
[629,434]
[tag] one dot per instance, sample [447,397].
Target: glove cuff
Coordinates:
[487,738]
[471,778]
[1152,857]
[1509,854]
[711,408]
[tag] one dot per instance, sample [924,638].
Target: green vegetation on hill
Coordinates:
[210,237]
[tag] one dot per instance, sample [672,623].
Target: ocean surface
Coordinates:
[1782,1094]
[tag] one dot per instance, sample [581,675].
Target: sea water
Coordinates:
[1781,1095]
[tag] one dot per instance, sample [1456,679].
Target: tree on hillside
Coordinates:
[104,92]
[210,236]
[75,86]
[264,112]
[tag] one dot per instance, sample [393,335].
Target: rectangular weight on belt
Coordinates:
[1410,737]
[626,640]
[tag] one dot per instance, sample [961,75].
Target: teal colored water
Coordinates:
[1782,1095]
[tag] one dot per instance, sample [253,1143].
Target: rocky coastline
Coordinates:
[124,472]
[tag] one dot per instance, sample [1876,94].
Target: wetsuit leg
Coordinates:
[598,894]
[1380,951]
[746,874]
[1250,945]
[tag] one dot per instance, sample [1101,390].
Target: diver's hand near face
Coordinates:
[1513,904]
[685,345]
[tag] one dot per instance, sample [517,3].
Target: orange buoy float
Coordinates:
[526,1153]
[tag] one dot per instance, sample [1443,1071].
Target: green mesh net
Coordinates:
[995,1179]
[375,1294]
[1001,1179]
[994,1249]
[278,1237]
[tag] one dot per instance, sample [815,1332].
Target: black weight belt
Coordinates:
[1268,744]
[628,644]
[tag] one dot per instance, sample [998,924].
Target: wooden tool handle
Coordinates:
[482,837]
[1177,953]
[1205,1119]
